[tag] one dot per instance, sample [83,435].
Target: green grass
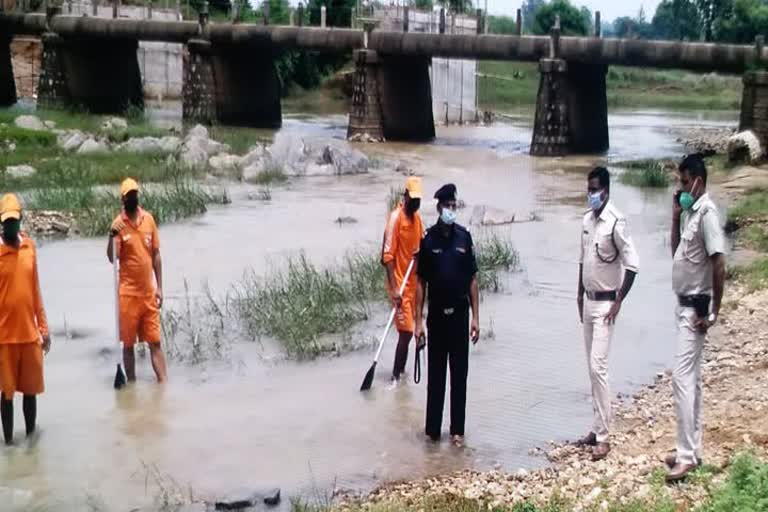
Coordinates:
[300,303]
[511,86]
[754,275]
[138,124]
[645,174]
[754,205]
[270,175]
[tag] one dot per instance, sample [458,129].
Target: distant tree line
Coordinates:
[731,21]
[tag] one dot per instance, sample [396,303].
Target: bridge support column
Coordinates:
[754,105]
[571,109]
[198,89]
[392,98]
[7,83]
[102,77]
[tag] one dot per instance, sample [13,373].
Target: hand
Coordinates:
[703,324]
[47,343]
[475,331]
[580,305]
[421,341]
[396,299]
[159,297]
[677,210]
[418,330]
[117,226]
[610,318]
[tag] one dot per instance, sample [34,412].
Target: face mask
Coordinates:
[448,216]
[11,230]
[412,205]
[687,200]
[595,200]
[131,204]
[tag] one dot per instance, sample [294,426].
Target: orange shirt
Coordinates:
[137,246]
[22,317]
[402,238]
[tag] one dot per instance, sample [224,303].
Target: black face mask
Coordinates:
[11,228]
[131,204]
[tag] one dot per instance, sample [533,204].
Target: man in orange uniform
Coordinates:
[138,250]
[23,327]
[402,238]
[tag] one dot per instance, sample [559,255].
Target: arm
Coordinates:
[675,234]
[110,256]
[580,293]
[718,284]
[419,313]
[474,302]
[157,265]
[630,261]
[117,226]
[388,251]
[42,321]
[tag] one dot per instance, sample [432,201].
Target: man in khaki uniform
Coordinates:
[698,277]
[606,248]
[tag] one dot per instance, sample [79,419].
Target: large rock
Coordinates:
[255,155]
[227,166]
[114,124]
[344,158]
[170,144]
[745,147]
[71,140]
[19,171]
[247,498]
[92,146]
[30,123]
[198,131]
[198,148]
[300,156]
[151,145]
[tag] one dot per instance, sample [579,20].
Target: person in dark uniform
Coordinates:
[447,277]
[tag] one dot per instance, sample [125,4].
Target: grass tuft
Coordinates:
[645,174]
[272,174]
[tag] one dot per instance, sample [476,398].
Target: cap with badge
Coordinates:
[446,193]
[128,185]
[10,207]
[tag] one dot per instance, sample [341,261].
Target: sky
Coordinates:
[609,9]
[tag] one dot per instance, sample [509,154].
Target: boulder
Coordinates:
[252,171]
[198,131]
[170,144]
[30,123]
[224,165]
[114,124]
[247,498]
[345,159]
[745,147]
[255,155]
[141,145]
[194,153]
[19,171]
[91,146]
[71,140]
[314,169]
[50,124]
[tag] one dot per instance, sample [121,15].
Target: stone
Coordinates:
[224,165]
[254,156]
[272,497]
[20,171]
[194,153]
[490,216]
[314,170]
[170,144]
[50,124]
[745,147]
[92,146]
[114,124]
[198,131]
[29,122]
[71,140]
[345,159]
[252,171]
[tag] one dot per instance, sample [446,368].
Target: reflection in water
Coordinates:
[306,427]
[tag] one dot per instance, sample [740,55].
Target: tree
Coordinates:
[424,5]
[572,21]
[747,20]
[677,20]
[711,12]
[502,25]
[529,10]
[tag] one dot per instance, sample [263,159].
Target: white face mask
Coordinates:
[448,216]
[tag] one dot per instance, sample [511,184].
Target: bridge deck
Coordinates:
[625,52]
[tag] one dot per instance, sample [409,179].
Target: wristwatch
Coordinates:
[712,318]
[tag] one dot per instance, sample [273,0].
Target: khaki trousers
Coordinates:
[597,340]
[686,383]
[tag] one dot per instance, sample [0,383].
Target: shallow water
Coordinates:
[305,426]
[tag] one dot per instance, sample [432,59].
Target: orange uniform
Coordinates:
[139,313]
[402,238]
[22,320]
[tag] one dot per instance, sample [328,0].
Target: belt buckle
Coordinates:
[448,311]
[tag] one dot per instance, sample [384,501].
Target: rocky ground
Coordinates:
[735,405]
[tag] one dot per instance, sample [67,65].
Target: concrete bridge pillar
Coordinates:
[236,85]
[392,98]
[102,77]
[7,84]
[571,109]
[754,105]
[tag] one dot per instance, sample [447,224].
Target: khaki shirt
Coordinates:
[606,249]
[701,237]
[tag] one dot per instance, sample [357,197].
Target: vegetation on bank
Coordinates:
[744,489]
[85,185]
[512,86]
[748,221]
[645,173]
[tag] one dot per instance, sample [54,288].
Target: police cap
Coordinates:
[446,193]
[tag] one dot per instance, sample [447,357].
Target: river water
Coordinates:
[305,426]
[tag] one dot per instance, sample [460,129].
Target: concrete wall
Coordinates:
[454,81]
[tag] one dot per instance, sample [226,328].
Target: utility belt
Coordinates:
[699,302]
[602,296]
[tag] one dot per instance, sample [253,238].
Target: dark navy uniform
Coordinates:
[447,265]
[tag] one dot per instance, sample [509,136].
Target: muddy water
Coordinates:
[305,427]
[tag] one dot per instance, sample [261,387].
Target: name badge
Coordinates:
[437,251]
[448,311]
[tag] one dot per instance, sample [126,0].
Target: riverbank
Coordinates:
[632,477]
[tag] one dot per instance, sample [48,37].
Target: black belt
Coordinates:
[602,296]
[698,302]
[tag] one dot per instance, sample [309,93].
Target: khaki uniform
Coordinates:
[701,237]
[606,251]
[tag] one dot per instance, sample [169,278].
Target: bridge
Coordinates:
[230,75]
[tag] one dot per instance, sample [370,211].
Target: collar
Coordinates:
[607,211]
[700,201]
[139,216]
